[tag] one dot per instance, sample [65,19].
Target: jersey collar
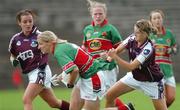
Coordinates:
[102,24]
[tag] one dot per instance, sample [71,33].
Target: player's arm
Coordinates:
[129,66]
[14,61]
[74,74]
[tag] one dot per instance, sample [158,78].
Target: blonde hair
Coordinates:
[92,4]
[146,26]
[49,36]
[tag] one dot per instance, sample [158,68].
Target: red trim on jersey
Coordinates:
[163,61]
[53,47]
[163,30]
[87,66]
[102,24]
[96,83]
[96,56]
[67,66]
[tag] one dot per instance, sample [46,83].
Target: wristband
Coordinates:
[70,85]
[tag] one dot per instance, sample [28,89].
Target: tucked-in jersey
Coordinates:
[163,43]
[145,54]
[98,39]
[70,56]
[25,48]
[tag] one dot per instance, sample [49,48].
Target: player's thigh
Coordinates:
[32,91]
[159,104]
[92,105]
[118,89]
[170,91]
[76,102]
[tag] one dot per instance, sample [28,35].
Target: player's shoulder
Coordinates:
[131,37]
[16,36]
[148,46]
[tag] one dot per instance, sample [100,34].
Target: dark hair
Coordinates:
[24,12]
[145,26]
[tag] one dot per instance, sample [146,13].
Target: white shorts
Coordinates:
[154,90]
[111,77]
[44,79]
[170,81]
[91,90]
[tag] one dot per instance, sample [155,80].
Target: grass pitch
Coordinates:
[12,100]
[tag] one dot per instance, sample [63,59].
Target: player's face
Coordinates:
[44,46]
[140,35]
[157,19]
[98,15]
[26,23]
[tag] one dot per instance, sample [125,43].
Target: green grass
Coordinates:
[12,100]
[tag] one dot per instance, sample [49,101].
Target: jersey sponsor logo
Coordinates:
[95,44]
[18,43]
[34,43]
[26,54]
[146,51]
[160,49]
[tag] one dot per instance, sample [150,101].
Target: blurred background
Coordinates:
[67,18]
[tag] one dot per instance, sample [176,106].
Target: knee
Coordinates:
[27,100]
[109,97]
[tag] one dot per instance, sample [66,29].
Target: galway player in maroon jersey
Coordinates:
[24,50]
[145,74]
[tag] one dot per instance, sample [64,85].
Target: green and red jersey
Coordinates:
[162,43]
[70,56]
[98,39]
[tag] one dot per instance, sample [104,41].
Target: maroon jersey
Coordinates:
[145,54]
[25,48]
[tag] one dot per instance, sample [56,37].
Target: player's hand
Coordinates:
[112,53]
[14,61]
[103,55]
[55,79]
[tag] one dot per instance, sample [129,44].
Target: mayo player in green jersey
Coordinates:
[78,64]
[165,45]
[99,37]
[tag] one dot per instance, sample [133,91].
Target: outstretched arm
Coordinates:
[129,66]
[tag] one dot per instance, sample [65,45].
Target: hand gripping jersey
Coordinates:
[145,54]
[98,39]
[25,48]
[70,56]
[162,43]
